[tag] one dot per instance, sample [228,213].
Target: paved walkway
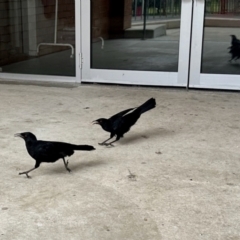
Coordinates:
[184,154]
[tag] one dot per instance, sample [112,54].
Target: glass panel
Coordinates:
[36,40]
[118,40]
[221,50]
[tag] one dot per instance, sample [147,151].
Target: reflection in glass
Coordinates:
[221,49]
[117,35]
[37,37]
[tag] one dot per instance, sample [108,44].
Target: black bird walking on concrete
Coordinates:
[44,151]
[120,123]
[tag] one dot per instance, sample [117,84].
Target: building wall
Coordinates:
[4,31]
[10,32]
[127,14]
[45,24]
[100,10]
[24,24]
[110,18]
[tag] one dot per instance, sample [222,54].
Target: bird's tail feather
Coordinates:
[83,147]
[149,104]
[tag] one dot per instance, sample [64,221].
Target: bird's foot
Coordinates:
[66,165]
[25,173]
[108,144]
[101,144]
[68,169]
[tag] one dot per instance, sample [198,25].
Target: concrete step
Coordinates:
[170,23]
[152,31]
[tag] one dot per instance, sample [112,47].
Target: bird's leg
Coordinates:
[104,142]
[26,172]
[110,144]
[66,165]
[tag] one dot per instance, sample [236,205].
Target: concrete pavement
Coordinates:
[184,156]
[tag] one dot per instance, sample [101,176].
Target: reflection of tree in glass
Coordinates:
[159,7]
[222,7]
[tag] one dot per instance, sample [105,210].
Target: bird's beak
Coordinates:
[18,135]
[95,122]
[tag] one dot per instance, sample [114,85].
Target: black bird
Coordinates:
[44,151]
[234,48]
[121,122]
[234,40]
[235,52]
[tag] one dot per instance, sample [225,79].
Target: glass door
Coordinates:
[215,55]
[136,41]
[37,40]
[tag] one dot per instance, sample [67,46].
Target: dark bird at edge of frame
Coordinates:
[120,123]
[234,48]
[45,151]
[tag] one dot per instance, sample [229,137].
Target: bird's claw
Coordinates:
[103,144]
[106,144]
[109,144]
[25,173]
[68,169]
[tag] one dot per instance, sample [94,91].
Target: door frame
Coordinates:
[196,78]
[154,78]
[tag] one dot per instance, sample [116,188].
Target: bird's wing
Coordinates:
[235,42]
[44,149]
[124,123]
[119,115]
[51,151]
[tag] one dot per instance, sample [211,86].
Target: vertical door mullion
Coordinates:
[184,46]
[86,38]
[196,44]
[78,40]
